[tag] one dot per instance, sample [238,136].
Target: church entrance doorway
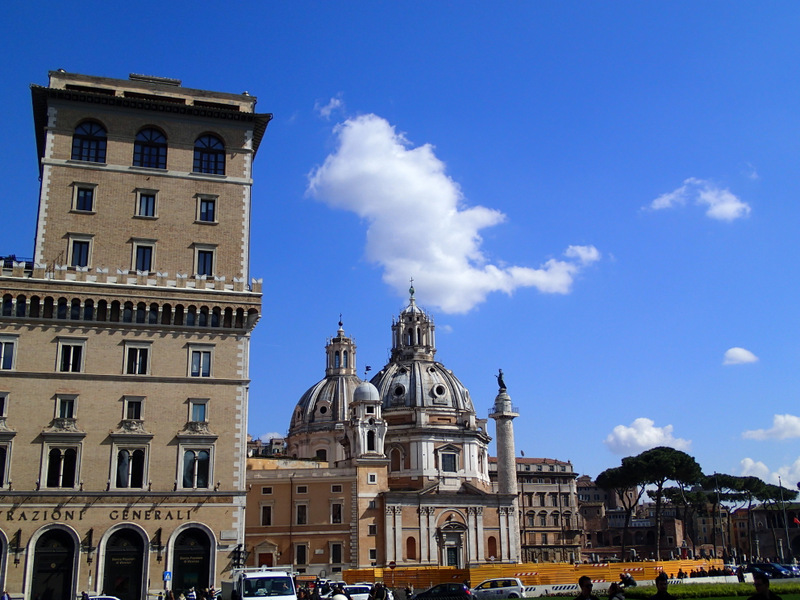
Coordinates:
[122,575]
[192,561]
[54,557]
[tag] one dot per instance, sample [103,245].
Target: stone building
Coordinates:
[549,520]
[124,389]
[391,471]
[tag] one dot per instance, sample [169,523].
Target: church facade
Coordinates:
[390,471]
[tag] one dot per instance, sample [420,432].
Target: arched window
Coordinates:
[21,306]
[150,149]
[178,314]
[395,460]
[322,454]
[8,305]
[491,547]
[166,314]
[191,313]
[209,155]
[152,316]
[215,316]
[130,468]
[48,307]
[75,309]
[141,309]
[127,313]
[195,468]
[61,312]
[370,441]
[35,306]
[202,319]
[336,360]
[411,548]
[344,359]
[61,467]
[89,142]
[88,310]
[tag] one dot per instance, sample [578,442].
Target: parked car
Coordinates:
[448,591]
[357,592]
[502,587]
[772,570]
[794,569]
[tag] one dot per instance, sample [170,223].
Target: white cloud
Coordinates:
[754,468]
[643,435]
[783,427]
[333,104]
[720,204]
[417,223]
[787,475]
[738,356]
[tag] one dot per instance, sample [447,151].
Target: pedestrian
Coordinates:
[585,584]
[6,596]
[615,592]
[661,585]
[191,595]
[761,583]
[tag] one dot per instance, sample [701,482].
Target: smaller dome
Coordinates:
[366,392]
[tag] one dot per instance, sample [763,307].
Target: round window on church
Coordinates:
[399,390]
[323,410]
[439,390]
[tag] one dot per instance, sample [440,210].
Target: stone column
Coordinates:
[479,516]
[389,533]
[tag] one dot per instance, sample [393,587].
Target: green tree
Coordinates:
[659,465]
[621,480]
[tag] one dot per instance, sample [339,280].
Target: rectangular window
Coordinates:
[3,403]
[146,203]
[7,351]
[143,257]
[134,408]
[336,513]
[266,490]
[544,538]
[266,515]
[197,411]
[79,252]
[65,407]
[207,209]
[336,553]
[5,453]
[373,554]
[336,489]
[449,462]
[84,199]
[205,262]
[372,530]
[61,467]
[302,489]
[200,362]
[302,514]
[130,468]
[196,468]
[137,358]
[372,504]
[301,554]
[372,478]
[70,355]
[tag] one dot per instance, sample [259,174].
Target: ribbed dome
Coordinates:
[325,402]
[366,392]
[420,383]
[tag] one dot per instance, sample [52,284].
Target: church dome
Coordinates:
[366,392]
[421,384]
[413,379]
[325,406]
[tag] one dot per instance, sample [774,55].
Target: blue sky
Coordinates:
[598,198]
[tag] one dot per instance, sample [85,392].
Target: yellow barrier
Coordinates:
[420,578]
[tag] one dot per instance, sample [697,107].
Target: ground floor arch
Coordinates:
[123,565]
[191,559]
[52,576]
